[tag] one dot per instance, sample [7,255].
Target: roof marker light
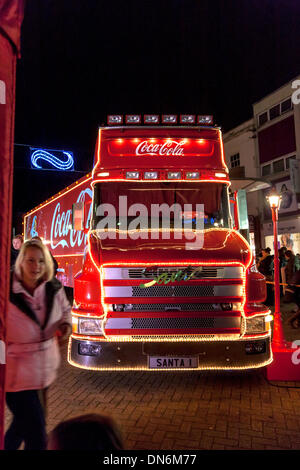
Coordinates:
[207,120]
[187,118]
[133,119]
[151,119]
[132,175]
[169,119]
[151,175]
[114,119]
[103,174]
[174,175]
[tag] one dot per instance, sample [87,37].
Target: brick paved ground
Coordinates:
[184,410]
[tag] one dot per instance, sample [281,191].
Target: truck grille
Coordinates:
[203,309]
[173,307]
[173,291]
[147,323]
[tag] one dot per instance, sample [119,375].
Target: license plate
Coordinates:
[178,362]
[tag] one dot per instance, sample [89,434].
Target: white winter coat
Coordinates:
[33,355]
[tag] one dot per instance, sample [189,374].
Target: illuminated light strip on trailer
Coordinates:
[54,198]
[251,366]
[66,256]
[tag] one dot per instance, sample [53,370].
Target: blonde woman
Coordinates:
[38,308]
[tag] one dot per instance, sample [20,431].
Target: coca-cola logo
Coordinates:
[170,147]
[61,232]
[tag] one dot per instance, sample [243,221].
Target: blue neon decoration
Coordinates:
[54,160]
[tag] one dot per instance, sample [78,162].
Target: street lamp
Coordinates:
[274,200]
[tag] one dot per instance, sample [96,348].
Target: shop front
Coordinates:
[288,219]
[288,234]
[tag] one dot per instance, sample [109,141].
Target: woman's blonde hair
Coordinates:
[49,267]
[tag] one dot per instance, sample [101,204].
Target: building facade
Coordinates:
[265,146]
[277,120]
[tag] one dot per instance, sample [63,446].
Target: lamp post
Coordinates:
[274,200]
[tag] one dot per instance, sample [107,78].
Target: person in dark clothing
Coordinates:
[265,267]
[282,264]
[282,251]
[265,263]
[290,267]
[293,292]
[17,242]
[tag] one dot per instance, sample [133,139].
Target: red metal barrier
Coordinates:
[11,15]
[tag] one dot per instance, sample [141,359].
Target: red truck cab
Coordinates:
[184,296]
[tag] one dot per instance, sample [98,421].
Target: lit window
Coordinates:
[235,160]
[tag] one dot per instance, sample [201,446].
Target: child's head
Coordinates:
[87,432]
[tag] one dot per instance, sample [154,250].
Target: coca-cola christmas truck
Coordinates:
[168,281]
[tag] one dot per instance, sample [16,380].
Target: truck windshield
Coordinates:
[156,201]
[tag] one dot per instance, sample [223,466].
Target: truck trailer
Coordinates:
[167,280]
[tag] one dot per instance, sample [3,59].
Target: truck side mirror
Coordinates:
[78,216]
[239,211]
[234,212]
[242,209]
[243,214]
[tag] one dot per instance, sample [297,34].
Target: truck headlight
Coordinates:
[88,326]
[256,325]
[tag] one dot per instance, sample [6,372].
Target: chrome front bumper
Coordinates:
[134,355]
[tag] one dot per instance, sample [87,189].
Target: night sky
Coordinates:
[84,59]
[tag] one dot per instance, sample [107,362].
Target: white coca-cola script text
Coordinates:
[170,147]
